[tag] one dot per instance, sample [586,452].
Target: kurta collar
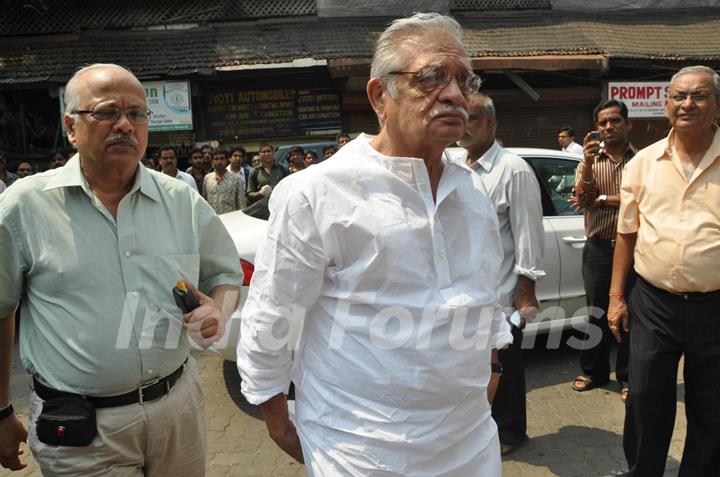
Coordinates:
[408,169]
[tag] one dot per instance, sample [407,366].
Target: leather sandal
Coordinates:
[587,384]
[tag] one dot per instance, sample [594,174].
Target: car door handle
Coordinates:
[574,239]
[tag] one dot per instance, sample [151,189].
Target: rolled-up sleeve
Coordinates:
[289,270]
[526,225]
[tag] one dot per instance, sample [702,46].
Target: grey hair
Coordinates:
[386,58]
[700,69]
[485,102]
[71,88]
[487,105]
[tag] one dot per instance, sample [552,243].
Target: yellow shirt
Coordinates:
[677,221]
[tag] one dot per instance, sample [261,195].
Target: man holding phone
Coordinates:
[597,191]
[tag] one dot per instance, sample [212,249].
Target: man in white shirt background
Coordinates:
[238,165]
[388,257]
[514,190]
[168,163]
[566,139]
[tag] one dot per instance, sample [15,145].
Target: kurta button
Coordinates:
[127,253]
[441,255]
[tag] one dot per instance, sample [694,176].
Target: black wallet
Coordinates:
[67,421]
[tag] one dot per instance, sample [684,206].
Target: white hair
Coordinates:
[700,69]
[71,88]
[386,58]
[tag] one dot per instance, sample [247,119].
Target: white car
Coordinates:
[246,232]
[561,292]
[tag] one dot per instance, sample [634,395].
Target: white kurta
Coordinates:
[398,298]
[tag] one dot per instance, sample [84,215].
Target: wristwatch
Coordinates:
[496,368]
[602,199]
[7,412]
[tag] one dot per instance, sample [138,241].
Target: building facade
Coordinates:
[241,72]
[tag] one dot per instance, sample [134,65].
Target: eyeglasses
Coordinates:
[697,98]
[432,78]
[111,114]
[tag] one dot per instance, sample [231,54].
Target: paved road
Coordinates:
[572,434]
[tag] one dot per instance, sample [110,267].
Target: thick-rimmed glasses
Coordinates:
[432,78]
[110,114]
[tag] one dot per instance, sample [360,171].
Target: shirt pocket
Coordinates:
[711,197]
[161,272]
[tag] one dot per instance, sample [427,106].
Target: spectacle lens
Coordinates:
[697,98]
[432,78]
[110,115]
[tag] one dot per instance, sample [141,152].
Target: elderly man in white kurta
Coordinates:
[384,263]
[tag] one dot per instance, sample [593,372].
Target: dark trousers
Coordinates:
[596,272]
[663,327]
[508,408]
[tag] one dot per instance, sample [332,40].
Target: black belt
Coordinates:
[685,296]
[599,241]
[141,395]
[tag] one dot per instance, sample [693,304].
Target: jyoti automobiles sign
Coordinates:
[644,99]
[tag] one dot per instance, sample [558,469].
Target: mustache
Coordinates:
[442,109]
[122,139]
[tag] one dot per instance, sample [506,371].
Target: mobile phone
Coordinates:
[595,136]
[185,299]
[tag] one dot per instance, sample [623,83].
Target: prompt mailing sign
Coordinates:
[643,99]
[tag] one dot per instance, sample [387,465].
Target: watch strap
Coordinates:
[7,412]
[496,368]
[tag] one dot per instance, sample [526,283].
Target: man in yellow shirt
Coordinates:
[669,224]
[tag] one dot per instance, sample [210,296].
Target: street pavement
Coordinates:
[571,434]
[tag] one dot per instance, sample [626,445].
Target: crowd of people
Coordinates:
[224,177]
[411,275]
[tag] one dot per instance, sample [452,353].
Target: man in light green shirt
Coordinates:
[94,250]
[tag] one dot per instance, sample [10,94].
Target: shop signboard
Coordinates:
[170,103]
[272,112]
[644,99]
[168,100]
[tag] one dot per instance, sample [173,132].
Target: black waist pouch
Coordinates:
[67,421]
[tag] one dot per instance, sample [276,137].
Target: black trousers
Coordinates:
[508,408]
[663,327]
[597,272]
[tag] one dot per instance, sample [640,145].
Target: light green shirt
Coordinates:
[98,315]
